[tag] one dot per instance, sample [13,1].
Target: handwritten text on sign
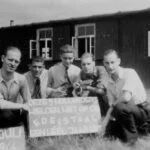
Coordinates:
[12,138]
[64,116]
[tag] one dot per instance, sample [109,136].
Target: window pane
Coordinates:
[33,45]
[92,41]
[92,51]
[42,46]
[88,45]
[33,53]
[90,30]
[48,33]
[50,48]
[81,46]
[45,34]
[42,34]
[81,31]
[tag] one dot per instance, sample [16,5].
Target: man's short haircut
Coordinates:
[109,51]
[11,48]
[87,55]
[66,49]
[38,59]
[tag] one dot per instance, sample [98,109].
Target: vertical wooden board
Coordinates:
[12,138]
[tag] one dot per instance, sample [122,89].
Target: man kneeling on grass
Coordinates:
[92,81]
[62,76]
[127,100]
[13,111]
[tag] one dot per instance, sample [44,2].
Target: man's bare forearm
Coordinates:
[4,104]
[96,90]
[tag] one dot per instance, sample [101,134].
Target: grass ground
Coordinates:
[76,143]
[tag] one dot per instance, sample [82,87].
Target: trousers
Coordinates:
[13,118]
[131,121]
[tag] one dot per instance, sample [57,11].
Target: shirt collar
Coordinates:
[15,77]
[120,74]
[34,78]
[65,67]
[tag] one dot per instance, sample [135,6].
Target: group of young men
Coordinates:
[116,87]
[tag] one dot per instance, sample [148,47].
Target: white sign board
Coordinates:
[64,116]
[12,139]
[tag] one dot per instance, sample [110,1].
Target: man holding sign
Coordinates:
[92,81]
[13,111]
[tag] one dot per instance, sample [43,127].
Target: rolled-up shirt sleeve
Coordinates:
[134,85]
[130,82]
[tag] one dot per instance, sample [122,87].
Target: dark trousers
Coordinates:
[130,122]
[103,104]
[13,118]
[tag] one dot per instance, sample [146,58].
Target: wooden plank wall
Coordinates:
[106,37]
[134,46]
[127,34]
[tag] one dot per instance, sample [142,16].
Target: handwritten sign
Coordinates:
[64,116]
[12,138]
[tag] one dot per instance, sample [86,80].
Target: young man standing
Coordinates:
[13,111]
[37,78]
[92,81]
[62,75]
[127,99]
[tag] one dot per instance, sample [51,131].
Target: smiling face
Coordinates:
[11,60]
[67,59]
[111,62]
[37,68]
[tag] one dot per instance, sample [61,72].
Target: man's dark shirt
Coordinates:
[98,79]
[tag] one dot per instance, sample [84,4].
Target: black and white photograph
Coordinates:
[74,74]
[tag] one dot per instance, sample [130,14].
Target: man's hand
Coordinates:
[87,87]
[26,107]
[58,92]
[76,85]
[61,90]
